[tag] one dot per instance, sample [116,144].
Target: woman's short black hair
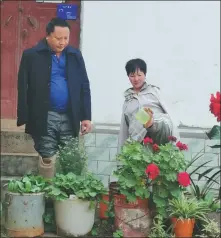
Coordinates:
[134,64]
[56,22]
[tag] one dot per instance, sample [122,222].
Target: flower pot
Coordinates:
[132,218]
[104,207]
[74,217]
[24,214]
[183,228]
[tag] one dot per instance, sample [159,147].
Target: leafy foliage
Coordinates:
[158,229]
[86,187]
[133,181]
[184,208]
[131,176]
[118,234]
[214,133]
[70,158]
[27,184]
[203,192]
[210,229]
[170,161]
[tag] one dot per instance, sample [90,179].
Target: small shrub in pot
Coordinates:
[75,199]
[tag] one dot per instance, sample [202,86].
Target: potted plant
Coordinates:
[183,212]
[24,207]
[165,171]
[210,229]
[75,199]
[71,158]
[131,195]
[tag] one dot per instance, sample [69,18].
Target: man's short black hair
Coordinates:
[134,64]
[56,22]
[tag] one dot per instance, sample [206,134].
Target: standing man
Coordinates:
[54,95]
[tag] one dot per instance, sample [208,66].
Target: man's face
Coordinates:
[58,39]
[137,79]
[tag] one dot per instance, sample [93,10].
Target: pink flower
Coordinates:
[155,148]
[152,171]
[181,146]
[172,138]
[147,140]
[183,179]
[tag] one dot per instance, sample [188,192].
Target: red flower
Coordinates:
[181,146]
[215,105]
[152,171]
[147,140]
[155,147]
[183,179]
[172,138]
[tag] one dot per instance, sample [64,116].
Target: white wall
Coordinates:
[179,40]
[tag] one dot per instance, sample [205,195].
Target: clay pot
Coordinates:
[104,207]
[183,228]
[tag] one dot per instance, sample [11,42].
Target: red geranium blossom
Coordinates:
[181,146]
[147,140]
[183,179]
[155,147]
[152,171]
[172,138]
[215,105]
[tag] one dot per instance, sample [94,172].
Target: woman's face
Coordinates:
[137,79]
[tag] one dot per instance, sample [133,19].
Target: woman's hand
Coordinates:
[150,122]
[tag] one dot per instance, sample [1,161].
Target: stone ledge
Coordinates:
[18,164]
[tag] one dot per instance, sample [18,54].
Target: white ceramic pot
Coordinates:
[74,217]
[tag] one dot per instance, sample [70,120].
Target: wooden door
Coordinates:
[9,57]
[23,30]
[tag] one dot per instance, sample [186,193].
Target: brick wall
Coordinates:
[101,148]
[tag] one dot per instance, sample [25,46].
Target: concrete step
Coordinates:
[16,142]
[14,139]
[18,164]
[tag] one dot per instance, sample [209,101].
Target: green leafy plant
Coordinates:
[118,234]
[71,158]
[210,229]
[131,176]
[49,220]
[162,163]
[158,229]
[187,208]
[86,187]
[206,191]
[28,184]
[171,181]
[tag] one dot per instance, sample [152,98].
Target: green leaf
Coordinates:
[20,185]
[162,192]
[92,194]
[55,191]
[94,232]
[160,202]
[199,167]
[27,186]
[215,146]
[206,172]
[209,197]
[25,179]
[175,192]
[214,133]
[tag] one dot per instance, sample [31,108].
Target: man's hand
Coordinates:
[85,127]
[150,122]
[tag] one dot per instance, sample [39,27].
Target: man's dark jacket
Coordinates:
[34,88]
